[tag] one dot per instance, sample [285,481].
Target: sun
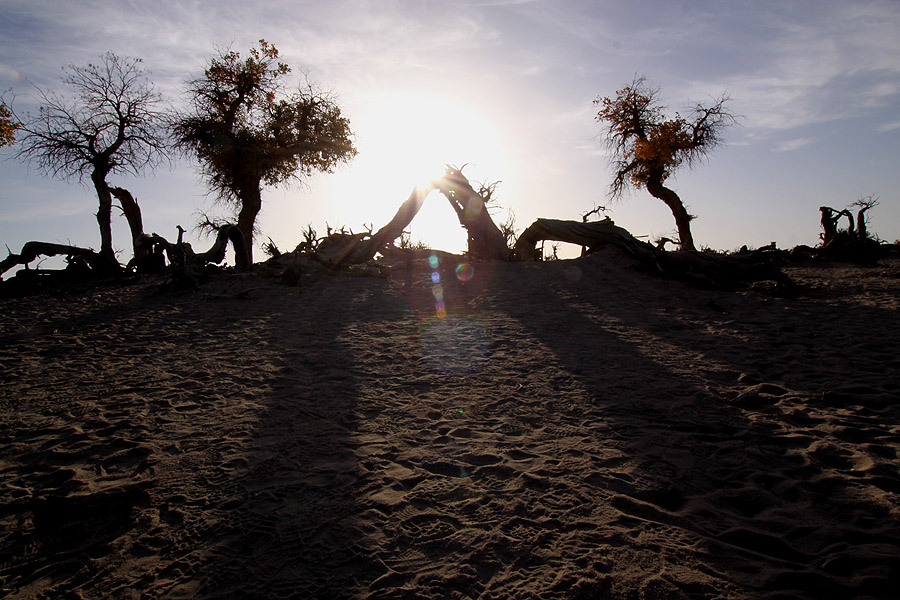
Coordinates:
[406,140]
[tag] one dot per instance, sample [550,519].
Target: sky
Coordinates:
[506,87]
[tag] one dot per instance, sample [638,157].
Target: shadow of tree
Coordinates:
[736,464]
[291,525]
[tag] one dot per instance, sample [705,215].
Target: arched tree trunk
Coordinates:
[132,212]
[850,225]
[355,249]
[485,240]
[251,203]
[673,201]
[589,235]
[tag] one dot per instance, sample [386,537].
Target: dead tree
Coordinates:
[74,255]
[350,249]
[485,240]
[114,124]
[864,204]
[851,244]
[187,267]
[830,220]
[701,269]
[132,212]
[588,235]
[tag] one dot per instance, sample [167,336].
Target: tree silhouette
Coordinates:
[647,147]
[113,125]
[246,132]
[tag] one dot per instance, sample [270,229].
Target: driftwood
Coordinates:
[485,240]
[186,266]
[78,258]
[701,269]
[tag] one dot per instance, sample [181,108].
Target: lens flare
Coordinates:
[464,271]
[438,290]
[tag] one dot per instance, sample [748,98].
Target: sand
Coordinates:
[571,429]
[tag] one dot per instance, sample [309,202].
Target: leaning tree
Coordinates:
[246,132]
[647,146]
[113,125]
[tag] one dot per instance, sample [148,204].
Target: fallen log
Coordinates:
[31,250]
[700,269]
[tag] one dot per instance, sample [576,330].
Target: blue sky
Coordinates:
[507,87]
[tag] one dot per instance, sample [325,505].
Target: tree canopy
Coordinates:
[247,132]
[113,125]
[647,146]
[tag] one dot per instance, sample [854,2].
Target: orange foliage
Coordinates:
[8,126]
[647,142]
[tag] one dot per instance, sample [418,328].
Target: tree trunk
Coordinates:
[671,199]
[849,215]
[485,240]
[104,216]
[862,231]
[216,254]
[251,203]
[590,235]
[829,224]
[355,250]
[132,212]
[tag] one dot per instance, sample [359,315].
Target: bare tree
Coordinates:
[864,204]
[113,125]
[647,146]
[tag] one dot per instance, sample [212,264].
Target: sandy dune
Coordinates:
[570,429]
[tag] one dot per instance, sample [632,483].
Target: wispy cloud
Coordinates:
[791,145]
[831,64]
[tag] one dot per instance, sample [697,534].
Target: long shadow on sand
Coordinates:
[750,484]
[185,445]
[289,529]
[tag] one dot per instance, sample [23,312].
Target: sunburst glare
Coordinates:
[407,140]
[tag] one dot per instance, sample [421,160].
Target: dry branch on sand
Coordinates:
[78,258]
[187,267]
[702,269]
